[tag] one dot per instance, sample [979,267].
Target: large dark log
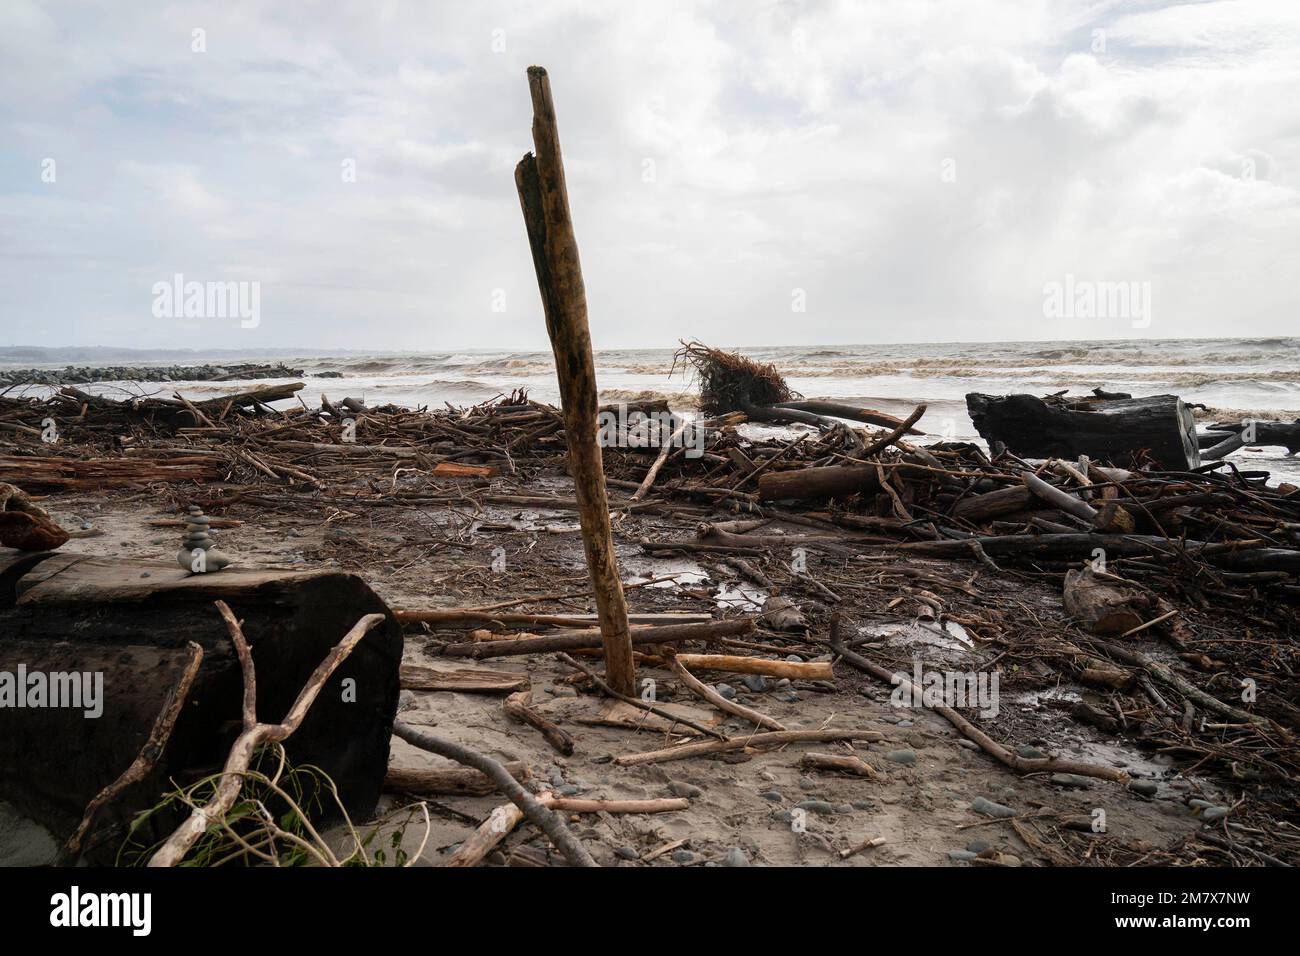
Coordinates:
[828,482]
[1117,431]
[130,621]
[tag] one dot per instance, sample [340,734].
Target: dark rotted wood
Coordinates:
[131,621]
[1118,431]
[1227,437]
[831,481]
[992,504]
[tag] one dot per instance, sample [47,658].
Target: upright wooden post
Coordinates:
[545,201]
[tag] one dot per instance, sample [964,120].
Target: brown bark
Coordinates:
[545,201]
[455,781]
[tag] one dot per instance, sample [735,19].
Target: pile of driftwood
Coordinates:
[1162,586]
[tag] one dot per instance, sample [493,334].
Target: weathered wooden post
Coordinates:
[545,201]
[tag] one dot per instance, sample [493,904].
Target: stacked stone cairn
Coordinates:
[198,553]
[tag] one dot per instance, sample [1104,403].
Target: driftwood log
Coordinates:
[1103,605]
[1114,430]
[545,201]
[133,622]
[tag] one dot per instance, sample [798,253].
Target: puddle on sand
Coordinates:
[951,636]
[1032,698]
[688,573]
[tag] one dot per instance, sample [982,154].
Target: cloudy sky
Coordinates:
[905,171]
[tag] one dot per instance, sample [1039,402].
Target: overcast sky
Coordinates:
[920,170]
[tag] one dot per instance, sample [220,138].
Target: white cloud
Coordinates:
[718,155]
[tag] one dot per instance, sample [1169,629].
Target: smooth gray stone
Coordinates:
[991,809]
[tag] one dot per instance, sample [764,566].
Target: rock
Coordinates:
[1210,814]
[1146,788]
[569,790]
[679,789]
[968,744]
[990,809]
[961,855]
[757,683]
[978,846]
[807,784]
[820,807]
[772,796]
[901,756]
[726,690]
[627,853]
[1070,780]
[683,856]
[1030,753]
[735,857]
[781,614]
[786,696]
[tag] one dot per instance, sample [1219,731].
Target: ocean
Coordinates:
[1236,378]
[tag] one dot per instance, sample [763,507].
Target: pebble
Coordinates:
[569,790]
[726,690]
[906,723]
[683,856]
[786,696]
[679,789]
[807,783]
[991,809]
[978,846]
[735,857]
[772,796]
[961,855]
[1070,780]
[627,853]
[1030,753]
[968,744]
[821,807]
[1147,788]
[901,756]
[757,683]
[1214,813]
